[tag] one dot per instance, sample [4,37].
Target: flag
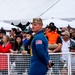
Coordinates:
[38,42]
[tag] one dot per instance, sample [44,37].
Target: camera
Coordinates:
[52,64]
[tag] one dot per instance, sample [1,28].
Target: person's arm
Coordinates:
[41,53]
[59,42]
[12,51]
[58,48]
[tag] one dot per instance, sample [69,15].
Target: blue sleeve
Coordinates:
[25,41]
[41,52]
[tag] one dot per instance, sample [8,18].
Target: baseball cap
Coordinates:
[66,33]
[37,20]
[51,24]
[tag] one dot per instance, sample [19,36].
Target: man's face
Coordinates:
[65,37]
[47,30]
[28,36]
[24,34]
[1,35]
[73,34]
[72,50]
[12,32]
[36,27]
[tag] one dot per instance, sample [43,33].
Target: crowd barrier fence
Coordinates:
[18,64]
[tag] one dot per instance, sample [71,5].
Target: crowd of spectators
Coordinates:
[20,42]
[59,41]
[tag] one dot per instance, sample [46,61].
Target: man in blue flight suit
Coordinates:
[40,60]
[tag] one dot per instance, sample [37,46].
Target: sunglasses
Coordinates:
[63,35]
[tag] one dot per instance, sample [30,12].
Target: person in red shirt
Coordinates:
[4,48]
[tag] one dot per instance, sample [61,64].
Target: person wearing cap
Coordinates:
[65,36]
[51,24]
[40,60]
[65,43]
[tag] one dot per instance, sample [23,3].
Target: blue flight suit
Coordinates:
[40,57]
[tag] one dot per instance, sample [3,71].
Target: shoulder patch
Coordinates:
[38,42]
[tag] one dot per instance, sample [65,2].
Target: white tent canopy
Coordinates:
[58,23]
[63,9]
[72,24]
[23,9]
[6,26]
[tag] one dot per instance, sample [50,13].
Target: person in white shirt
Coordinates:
[65,44]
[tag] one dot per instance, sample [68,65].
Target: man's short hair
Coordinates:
[14,29]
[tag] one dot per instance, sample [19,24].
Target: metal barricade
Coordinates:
[3,64]
[19,64]
[72,63]
[61,64]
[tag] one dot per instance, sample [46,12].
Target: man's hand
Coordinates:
[50,51]
[49,65]
[24,52]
